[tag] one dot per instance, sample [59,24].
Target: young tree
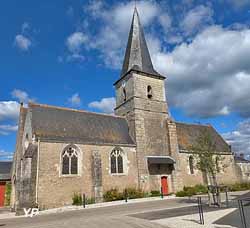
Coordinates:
[207,159]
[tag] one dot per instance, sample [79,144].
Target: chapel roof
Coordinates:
[5,169]
[240,159]
[63,124]
[137,55]
[187,135]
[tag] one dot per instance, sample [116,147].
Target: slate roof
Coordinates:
[188,134]
[50,122]
[137,56]
[239,159]
[5,169]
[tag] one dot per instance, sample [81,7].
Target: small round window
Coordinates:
[149,92]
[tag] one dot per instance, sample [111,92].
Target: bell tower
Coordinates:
[140,96]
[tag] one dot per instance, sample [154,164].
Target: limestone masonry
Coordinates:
[61,152]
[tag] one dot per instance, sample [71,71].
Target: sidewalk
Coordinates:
[192,221]
[6,213]
[130,201]
[105,204]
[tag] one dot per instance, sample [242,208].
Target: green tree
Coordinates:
[207,159]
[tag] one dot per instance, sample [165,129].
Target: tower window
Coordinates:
[124,94]
[149,92]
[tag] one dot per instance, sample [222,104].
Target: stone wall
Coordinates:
[147,118]
[228,176]
[177,178]
[55,190]
[16,160]
[243,171]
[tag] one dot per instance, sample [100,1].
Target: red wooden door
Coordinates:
[2,193]
[164,185]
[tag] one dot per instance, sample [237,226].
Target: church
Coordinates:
[62,151]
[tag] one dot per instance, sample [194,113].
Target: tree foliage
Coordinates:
[207,159]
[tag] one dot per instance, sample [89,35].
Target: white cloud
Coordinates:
[75,42]
[7,129]
[239,139]
[165,21]
[211,75]
[22,42]
[21,95]
[111,37]
[9,110]
[75,100]
[106,105]
[197,18]
[212,66]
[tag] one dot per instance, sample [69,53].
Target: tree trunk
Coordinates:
[218,196]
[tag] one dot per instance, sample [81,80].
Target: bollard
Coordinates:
[161,193]
[126,195]
[200,209]
[227,201]
[84,200]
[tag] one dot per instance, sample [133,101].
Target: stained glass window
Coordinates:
[116,161]
[69,161]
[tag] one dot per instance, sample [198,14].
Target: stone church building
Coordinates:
[61,151]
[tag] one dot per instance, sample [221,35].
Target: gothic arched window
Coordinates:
[116,161]
[191,164]
[70,161]
[149,92]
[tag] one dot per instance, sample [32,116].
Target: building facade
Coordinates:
[60,151]
[243,167]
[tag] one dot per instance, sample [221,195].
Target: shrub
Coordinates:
[7,194]
[181,194]
[190,191]
[133,193]
[77,199]
[239,187]
[112,195]
[155,193]
[90,200]
[200,189]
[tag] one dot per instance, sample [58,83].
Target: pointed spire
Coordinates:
[137,56]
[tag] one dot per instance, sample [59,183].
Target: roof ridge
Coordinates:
[73,110]
[194,124]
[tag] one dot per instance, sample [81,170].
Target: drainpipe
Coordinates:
[37,170]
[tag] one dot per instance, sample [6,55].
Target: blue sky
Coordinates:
[69,53]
